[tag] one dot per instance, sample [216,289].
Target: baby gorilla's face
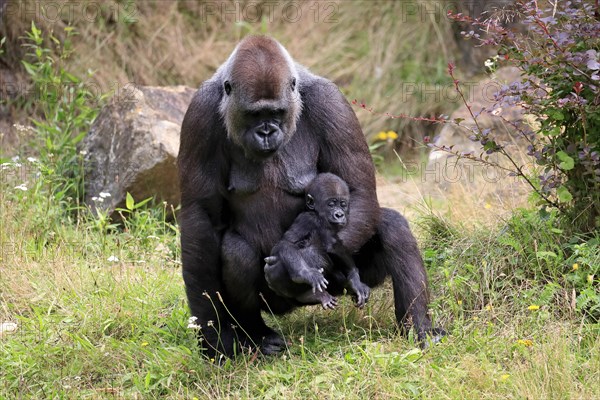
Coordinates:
[329,196]
[335,210]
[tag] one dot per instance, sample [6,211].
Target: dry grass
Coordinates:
[376,51]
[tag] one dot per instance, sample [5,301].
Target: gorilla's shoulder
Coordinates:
[311,83]
[209,94]
[321,97]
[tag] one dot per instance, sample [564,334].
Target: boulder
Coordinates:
[132,147]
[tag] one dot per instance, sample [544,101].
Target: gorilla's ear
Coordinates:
[310,202]
[227,87]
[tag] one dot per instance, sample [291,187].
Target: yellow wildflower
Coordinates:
[459,302]
[487,206]
[144,344]
[488,307]
[504,377]
[590,278]
[575,267]
[391,135]
[381,136]
[533,307]
[525,342]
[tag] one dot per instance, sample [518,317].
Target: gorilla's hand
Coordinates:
[361,294]
[328,301]
[317,280]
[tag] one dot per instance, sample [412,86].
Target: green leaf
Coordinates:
[28,67]
[563,195]
[36,32]
[491,145]
[555,131]
[567,163]
[129,202]
[555,114]
[147,379]
[545,254]
[143,202]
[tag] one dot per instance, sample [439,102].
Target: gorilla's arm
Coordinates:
[290,251]
[300,231]
[344,152]
[200,161]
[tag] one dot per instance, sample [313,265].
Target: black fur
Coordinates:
[245,160]
[301,261]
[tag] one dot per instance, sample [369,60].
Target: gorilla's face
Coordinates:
[329,196]
[260,103]
[261,124]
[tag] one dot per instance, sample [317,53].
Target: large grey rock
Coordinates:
[132,147]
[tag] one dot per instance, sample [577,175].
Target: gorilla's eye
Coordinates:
[293,84]
[227,87]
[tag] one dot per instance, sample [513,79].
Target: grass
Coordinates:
[101,313]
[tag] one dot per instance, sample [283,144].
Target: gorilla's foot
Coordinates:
[272,343]
[430,337]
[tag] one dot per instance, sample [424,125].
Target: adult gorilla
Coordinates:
[254,136]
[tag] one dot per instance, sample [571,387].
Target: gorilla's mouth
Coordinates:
[267,147]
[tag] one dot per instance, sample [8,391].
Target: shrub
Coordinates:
[559,56]
[67,111]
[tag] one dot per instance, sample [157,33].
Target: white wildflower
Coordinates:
[83,152]
[113,259]
[192,323]
[32,159]
[21,187]
[7,327]
[104,194]
[15,158]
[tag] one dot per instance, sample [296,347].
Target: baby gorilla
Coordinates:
[311,247]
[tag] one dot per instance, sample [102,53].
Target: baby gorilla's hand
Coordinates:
[328,301]
[317,281]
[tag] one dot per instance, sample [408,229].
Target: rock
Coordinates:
[132,147]
[441,166]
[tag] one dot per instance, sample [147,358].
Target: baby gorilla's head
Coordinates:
[328,195]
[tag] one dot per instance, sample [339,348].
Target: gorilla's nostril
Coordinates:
[267,129]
